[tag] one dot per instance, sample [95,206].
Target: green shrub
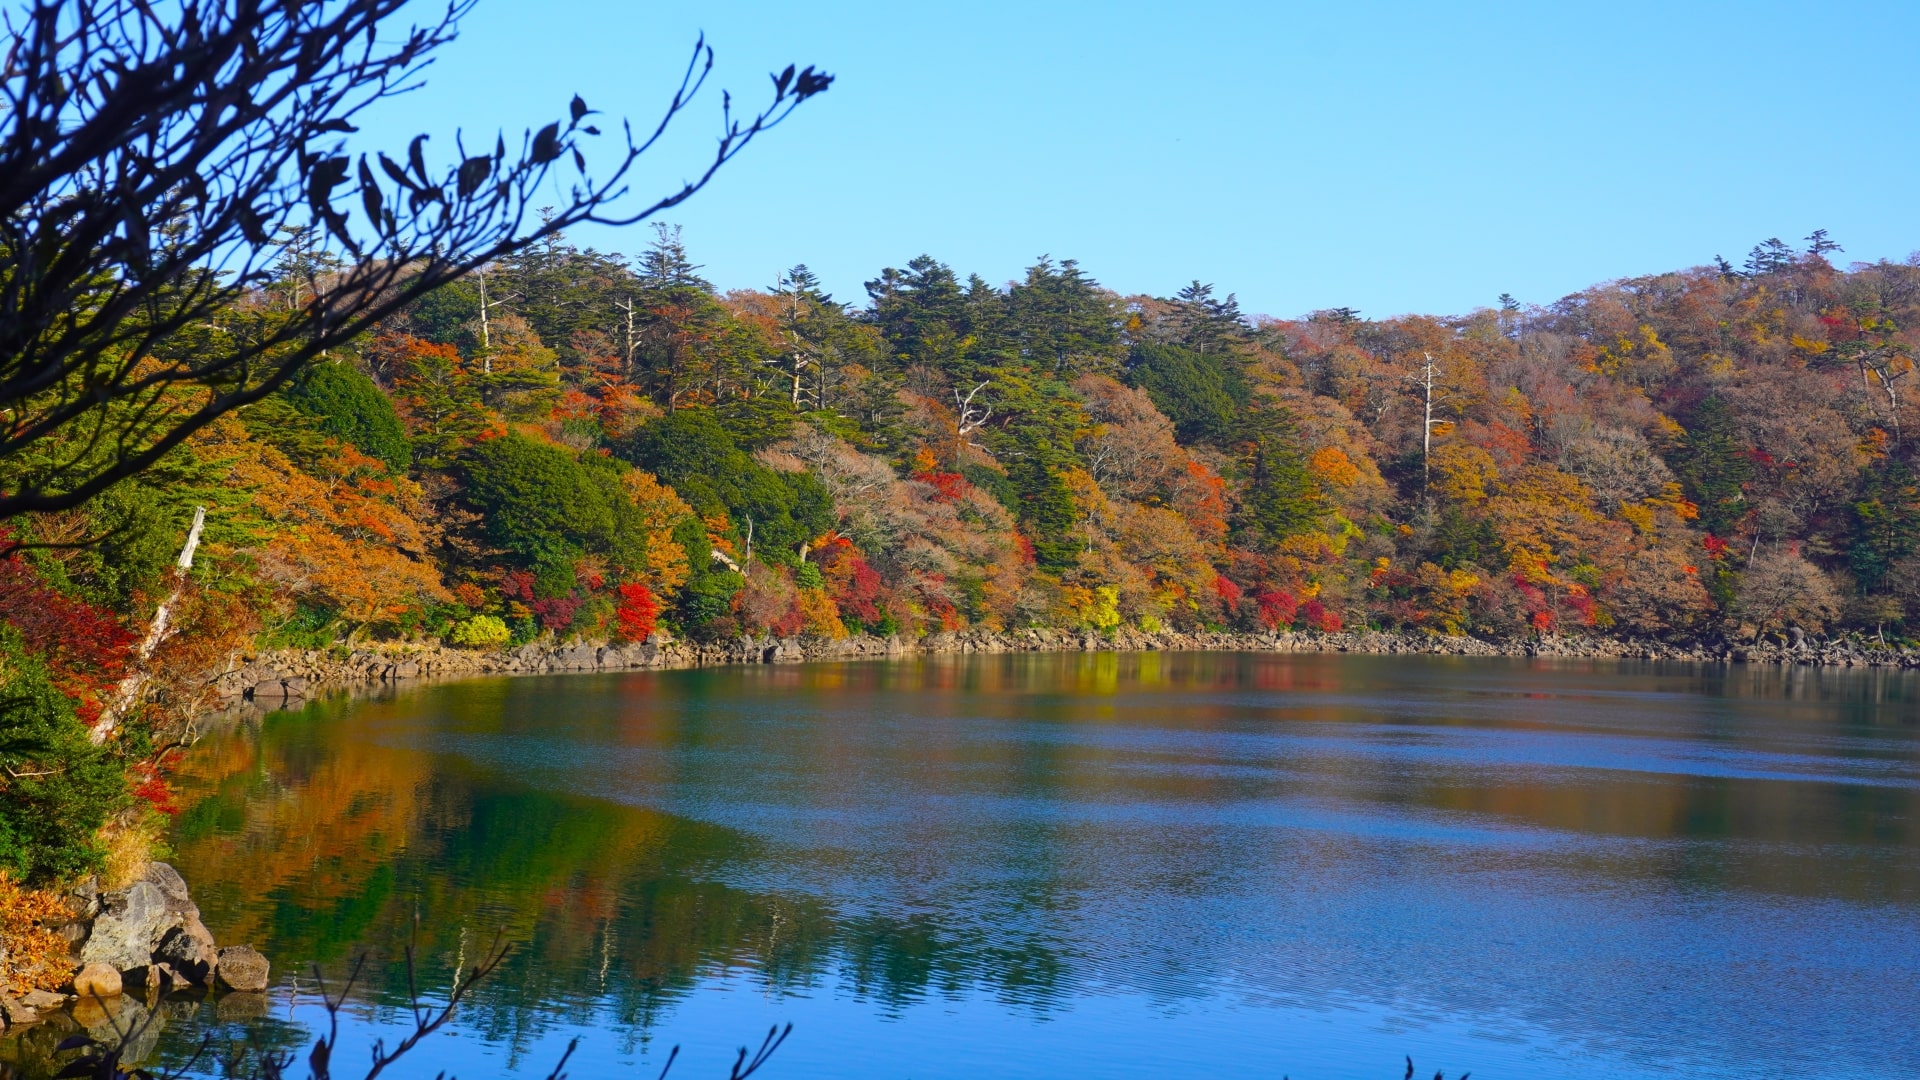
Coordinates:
[690,451]
[480,632]
[540,504]
[60,788]
[351,408]
[309,627]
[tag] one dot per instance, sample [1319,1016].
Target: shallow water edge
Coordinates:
[271,679]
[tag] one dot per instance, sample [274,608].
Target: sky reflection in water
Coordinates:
[1110,865]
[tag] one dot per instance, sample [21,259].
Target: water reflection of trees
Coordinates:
[319,841]
[337,830]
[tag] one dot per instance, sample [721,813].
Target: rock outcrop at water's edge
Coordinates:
[144,939]
[272,679]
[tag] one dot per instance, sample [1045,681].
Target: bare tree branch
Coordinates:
[154,157]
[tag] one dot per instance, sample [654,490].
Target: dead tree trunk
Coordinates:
[128,692]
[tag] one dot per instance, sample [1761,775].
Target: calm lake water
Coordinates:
[1098,865]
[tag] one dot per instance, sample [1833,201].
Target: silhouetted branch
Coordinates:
[103,1060]
[153,159]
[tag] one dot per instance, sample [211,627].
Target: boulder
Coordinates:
[582,657]
[241,967]
[189,950]
[131,923]
[96,980]
[134,921]
[43,1000]
[18,1013]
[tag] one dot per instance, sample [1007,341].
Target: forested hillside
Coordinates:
[575,445]
[604,445]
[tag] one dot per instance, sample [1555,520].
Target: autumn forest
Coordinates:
[574,445]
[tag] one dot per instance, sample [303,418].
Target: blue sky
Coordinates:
[1391,157]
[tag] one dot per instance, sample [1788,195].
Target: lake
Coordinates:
[1091,864]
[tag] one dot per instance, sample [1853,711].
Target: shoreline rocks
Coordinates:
[277,679]
[147,935]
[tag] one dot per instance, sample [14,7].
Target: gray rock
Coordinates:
[578,658]
[135,920]
[190,950]
[87,894]
[169,881]
[131,924]
[241,967]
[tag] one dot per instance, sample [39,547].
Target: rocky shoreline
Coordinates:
[133,949]
[274,678]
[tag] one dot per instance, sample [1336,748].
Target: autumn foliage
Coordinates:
[33,956]
[620,449]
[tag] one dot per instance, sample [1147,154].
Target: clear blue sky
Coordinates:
[1393,157]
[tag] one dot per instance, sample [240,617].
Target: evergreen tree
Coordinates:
[1060,320]
[679,326]
[540,506]
[771,513]
[1714,465]
[351,408]
[1205,324]
[1280,497]
[1886,523]
[1769,257]
[61,788]
[665,264]
[922,313]
[1203,394]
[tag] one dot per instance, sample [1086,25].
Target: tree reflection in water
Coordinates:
[1017,828]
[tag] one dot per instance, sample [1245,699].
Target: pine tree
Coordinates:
[1886,523]
[1060,320]
[1715,467]
[1280,497]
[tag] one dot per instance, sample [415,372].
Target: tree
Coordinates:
[351,408]
[1783,588]
[678,325]
[60,788]
[1617,466]
[1060,319]
[1203,394]
[924,316]
[1770,256]
[1886,524]
[804,318]
[1280,497]
[772,514]
[540,505]
[1204,324]
[1715,467]
[150,157]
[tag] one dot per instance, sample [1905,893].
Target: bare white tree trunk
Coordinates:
[128,691]
[1426,428]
